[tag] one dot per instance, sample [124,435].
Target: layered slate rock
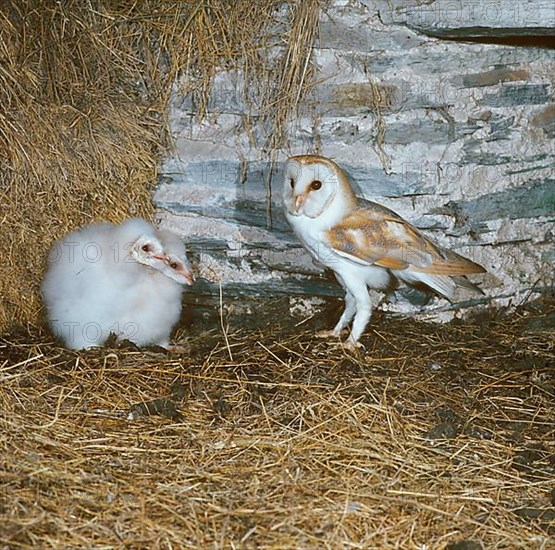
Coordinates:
[458,138]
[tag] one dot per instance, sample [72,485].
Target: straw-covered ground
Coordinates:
[437,436]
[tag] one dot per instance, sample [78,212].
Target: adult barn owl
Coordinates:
[124,279]
[364,243]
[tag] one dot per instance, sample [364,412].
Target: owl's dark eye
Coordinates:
[315,185]
[145,248]
[174,265]
[292,182]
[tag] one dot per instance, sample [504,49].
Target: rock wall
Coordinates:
[457,137]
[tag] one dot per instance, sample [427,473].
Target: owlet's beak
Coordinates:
[187,274]
[179,271]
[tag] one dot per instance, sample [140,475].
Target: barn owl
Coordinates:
[124,279]
[365,244]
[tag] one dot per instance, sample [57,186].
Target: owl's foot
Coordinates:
[176,348]
[351,345]
[347,345]
[327,334]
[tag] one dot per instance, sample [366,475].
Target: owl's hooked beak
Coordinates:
[178,270]
[299,203]
[187,275]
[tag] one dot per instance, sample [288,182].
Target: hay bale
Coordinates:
[78,140]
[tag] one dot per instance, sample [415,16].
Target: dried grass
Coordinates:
[437,434]
[84,88]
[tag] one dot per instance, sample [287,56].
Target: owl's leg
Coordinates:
[347,315]
[363,307]
[344,320]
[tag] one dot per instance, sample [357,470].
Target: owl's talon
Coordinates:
[176,348]
[327,334]
[349,345]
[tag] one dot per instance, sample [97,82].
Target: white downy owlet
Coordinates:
[124,279]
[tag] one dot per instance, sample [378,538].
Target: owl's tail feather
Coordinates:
[441,284]
[444,285]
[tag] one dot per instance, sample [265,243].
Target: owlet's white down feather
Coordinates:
[123,279]
[365,244]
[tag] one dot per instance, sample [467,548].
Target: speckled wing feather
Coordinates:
[377,236]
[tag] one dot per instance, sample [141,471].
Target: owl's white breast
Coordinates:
[311,232]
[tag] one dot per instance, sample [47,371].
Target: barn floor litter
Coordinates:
[436,436]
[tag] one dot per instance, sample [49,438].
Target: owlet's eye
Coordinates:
[315,185]
[292,182]
[173,265]
[145,248]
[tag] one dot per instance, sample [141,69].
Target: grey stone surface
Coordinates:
[462,18]
[467,152]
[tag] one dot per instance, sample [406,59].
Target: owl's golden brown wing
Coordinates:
[377,236]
